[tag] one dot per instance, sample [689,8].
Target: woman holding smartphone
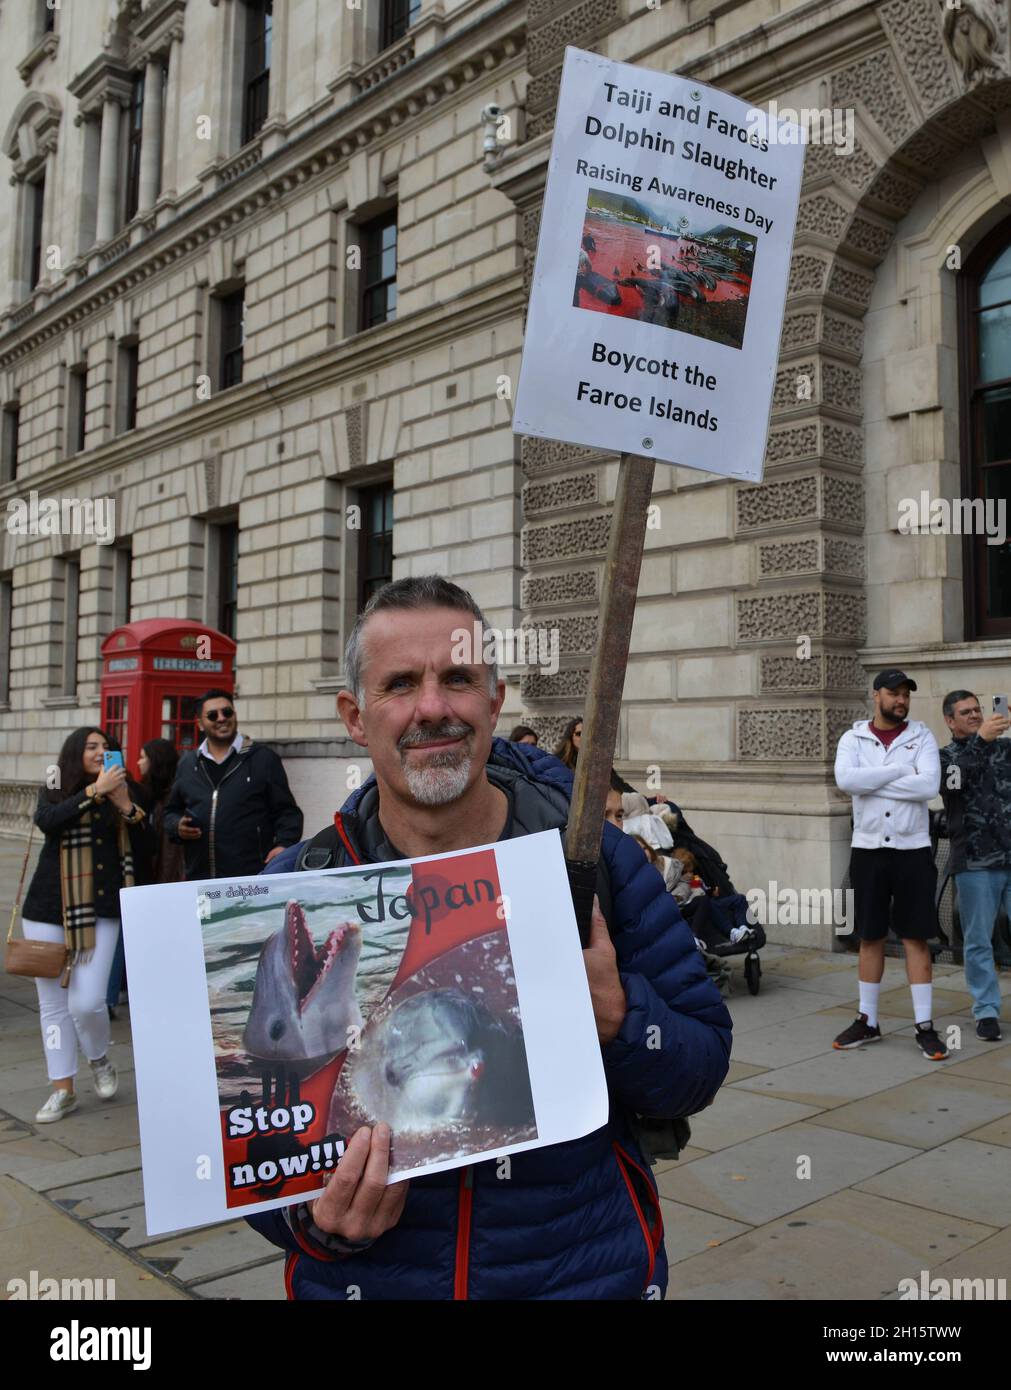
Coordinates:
[95,845]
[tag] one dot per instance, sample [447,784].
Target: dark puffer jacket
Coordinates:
[574,1220]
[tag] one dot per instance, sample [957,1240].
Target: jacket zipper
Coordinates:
[464,1209]
[214,808]
[651,1235]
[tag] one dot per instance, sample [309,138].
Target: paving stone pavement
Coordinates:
[907,1159]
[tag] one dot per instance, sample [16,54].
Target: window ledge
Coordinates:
[977,650]
[45,48]
[329,685]
[59,702]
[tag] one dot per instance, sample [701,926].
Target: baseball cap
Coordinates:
[892,678]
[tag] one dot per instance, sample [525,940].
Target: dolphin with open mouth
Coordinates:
[304,1000]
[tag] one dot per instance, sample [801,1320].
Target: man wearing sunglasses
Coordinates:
[231,806]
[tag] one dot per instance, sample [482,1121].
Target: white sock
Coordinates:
[869,1002]
[922,1005]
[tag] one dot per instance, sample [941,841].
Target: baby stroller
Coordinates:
[721,912]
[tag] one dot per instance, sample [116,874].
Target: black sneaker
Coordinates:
[858,1033]
[930,1044]
[989,1029]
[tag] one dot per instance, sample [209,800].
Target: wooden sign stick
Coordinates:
[607,681]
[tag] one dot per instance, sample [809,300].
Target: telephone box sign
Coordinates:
[184,663]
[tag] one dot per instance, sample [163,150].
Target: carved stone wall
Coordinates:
[576,586]
[566,540]
[918,102]
[560,492]
[568,685]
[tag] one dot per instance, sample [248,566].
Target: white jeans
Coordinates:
[77,1014]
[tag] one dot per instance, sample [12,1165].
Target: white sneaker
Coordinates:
[60,1103]
[106,1079]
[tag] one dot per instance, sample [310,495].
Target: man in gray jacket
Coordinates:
[891,768]
[977,796]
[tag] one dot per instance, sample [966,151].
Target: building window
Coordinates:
[6,616]
[36,201]
[396,18]
[122,584]
[77,408]
[126,412]
[259,40]
[232,320]
[227,577]
[375,545]
[133,142]
[70,567]
[9,443]
[986,428]
[379,270]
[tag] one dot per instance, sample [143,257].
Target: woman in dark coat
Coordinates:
[158,762]
[96,844]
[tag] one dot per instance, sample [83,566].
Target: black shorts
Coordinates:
[894,888]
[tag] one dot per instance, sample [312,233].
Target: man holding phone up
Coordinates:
[976,787]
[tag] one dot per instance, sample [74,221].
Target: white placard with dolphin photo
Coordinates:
[662,268]
[274,1016]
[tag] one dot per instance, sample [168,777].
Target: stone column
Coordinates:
[170,167]
[276,110]
[49,218]
[150,143]
[108,171]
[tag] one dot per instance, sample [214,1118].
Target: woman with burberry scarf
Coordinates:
[96,843]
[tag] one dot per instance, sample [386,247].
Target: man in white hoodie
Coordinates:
[891,767]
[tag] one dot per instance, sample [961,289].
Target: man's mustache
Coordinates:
[418,738]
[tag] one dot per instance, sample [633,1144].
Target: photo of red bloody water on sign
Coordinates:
[652,262]
[386,994]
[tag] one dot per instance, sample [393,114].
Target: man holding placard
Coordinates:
[573,1220]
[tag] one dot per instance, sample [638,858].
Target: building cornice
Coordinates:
[790,48]
[154,31]
[106,78]
[350,360]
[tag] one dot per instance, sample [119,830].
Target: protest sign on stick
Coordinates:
[662,267]
[275,1016]
[654,324]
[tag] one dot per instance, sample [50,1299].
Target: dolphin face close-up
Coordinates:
[304,1001]
[422,1067]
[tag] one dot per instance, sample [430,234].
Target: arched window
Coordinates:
[985,355]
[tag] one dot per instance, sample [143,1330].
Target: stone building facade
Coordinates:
[877,400]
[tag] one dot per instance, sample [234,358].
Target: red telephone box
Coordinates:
[153,673]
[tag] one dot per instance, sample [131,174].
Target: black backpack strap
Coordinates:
[321,852]
[334,846]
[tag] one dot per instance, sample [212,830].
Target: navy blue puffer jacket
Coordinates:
[574,1220]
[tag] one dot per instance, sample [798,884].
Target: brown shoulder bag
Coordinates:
[43,960]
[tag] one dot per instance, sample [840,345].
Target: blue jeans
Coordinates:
[979,896]
[116,972]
